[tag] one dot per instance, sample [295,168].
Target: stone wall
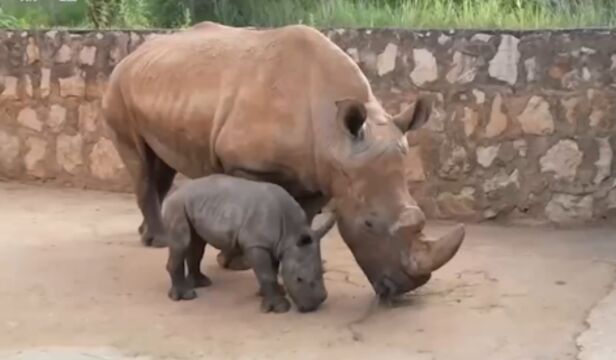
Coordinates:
[523,126]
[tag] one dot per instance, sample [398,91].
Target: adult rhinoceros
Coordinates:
[283,105]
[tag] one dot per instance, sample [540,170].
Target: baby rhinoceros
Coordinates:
[257,219]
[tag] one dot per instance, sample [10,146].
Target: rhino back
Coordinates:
[228,211]
[217,99]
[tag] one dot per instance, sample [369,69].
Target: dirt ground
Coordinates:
[76,284]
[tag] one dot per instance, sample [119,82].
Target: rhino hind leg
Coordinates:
[153,183]
[194,256]
[232,260]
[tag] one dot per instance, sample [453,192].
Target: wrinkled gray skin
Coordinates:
[258,220]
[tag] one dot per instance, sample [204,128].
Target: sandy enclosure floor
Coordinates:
[76,284]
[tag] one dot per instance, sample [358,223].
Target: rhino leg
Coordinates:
[194,256]
[181,288]
[232,260]
[153,184]
[266,272]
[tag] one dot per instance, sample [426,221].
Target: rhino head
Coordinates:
[377,217]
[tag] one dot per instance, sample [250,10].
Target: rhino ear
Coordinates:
[414,116]
[352,113]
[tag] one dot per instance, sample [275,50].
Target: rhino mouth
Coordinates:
[386,288]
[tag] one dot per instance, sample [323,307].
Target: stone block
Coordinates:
[88,115]
[498,119]
[9,86]
[35,156]
[453,161]
[563,160]
[72,86]
[464,68]
[57,117]
[566,209]
[45,82]
[604,160]
[9,151]
[426,69]
[28,118]
[457,205]
[386,61]
[87,55]
[105,163]
[487,154]
[69,152]
[504,65]
[536,119]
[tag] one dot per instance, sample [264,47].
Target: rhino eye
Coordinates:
[368,224]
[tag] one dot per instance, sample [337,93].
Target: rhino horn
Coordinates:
[427,256]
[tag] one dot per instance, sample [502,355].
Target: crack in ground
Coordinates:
[585,323]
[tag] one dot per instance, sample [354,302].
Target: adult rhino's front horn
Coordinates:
[426,256]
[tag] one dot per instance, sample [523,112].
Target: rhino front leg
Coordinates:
[266,272]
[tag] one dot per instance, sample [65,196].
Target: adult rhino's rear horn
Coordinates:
[325,227]
[428,256]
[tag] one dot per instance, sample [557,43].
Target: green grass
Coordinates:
[486,14]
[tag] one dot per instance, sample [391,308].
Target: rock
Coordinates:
[480,96]
[28,118]
[531,69]
[354,54]
[454,161]
[88,114]
[501,180]
[45,82]
[595,118]
[32,52]
[105,163]
[563,159]
[64,54]
[565,208]
[604,162]
[570,106]
[57,116]
[414,165]
[498,119]
[586,75]
[35,156]
[487,154]
[504,65]
[425,70]
[72,86]
[481,37]
[87,56]
[68,152]
[9,150]
[443,39]
[457,205]
[470,120]
[521,147]
[464,68]
[28,85]
[10,88]
[386,61]
[536,119]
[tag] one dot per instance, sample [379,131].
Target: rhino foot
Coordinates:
[181,293]
[277,304]
[151,240]
[279,288]
[199,280]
